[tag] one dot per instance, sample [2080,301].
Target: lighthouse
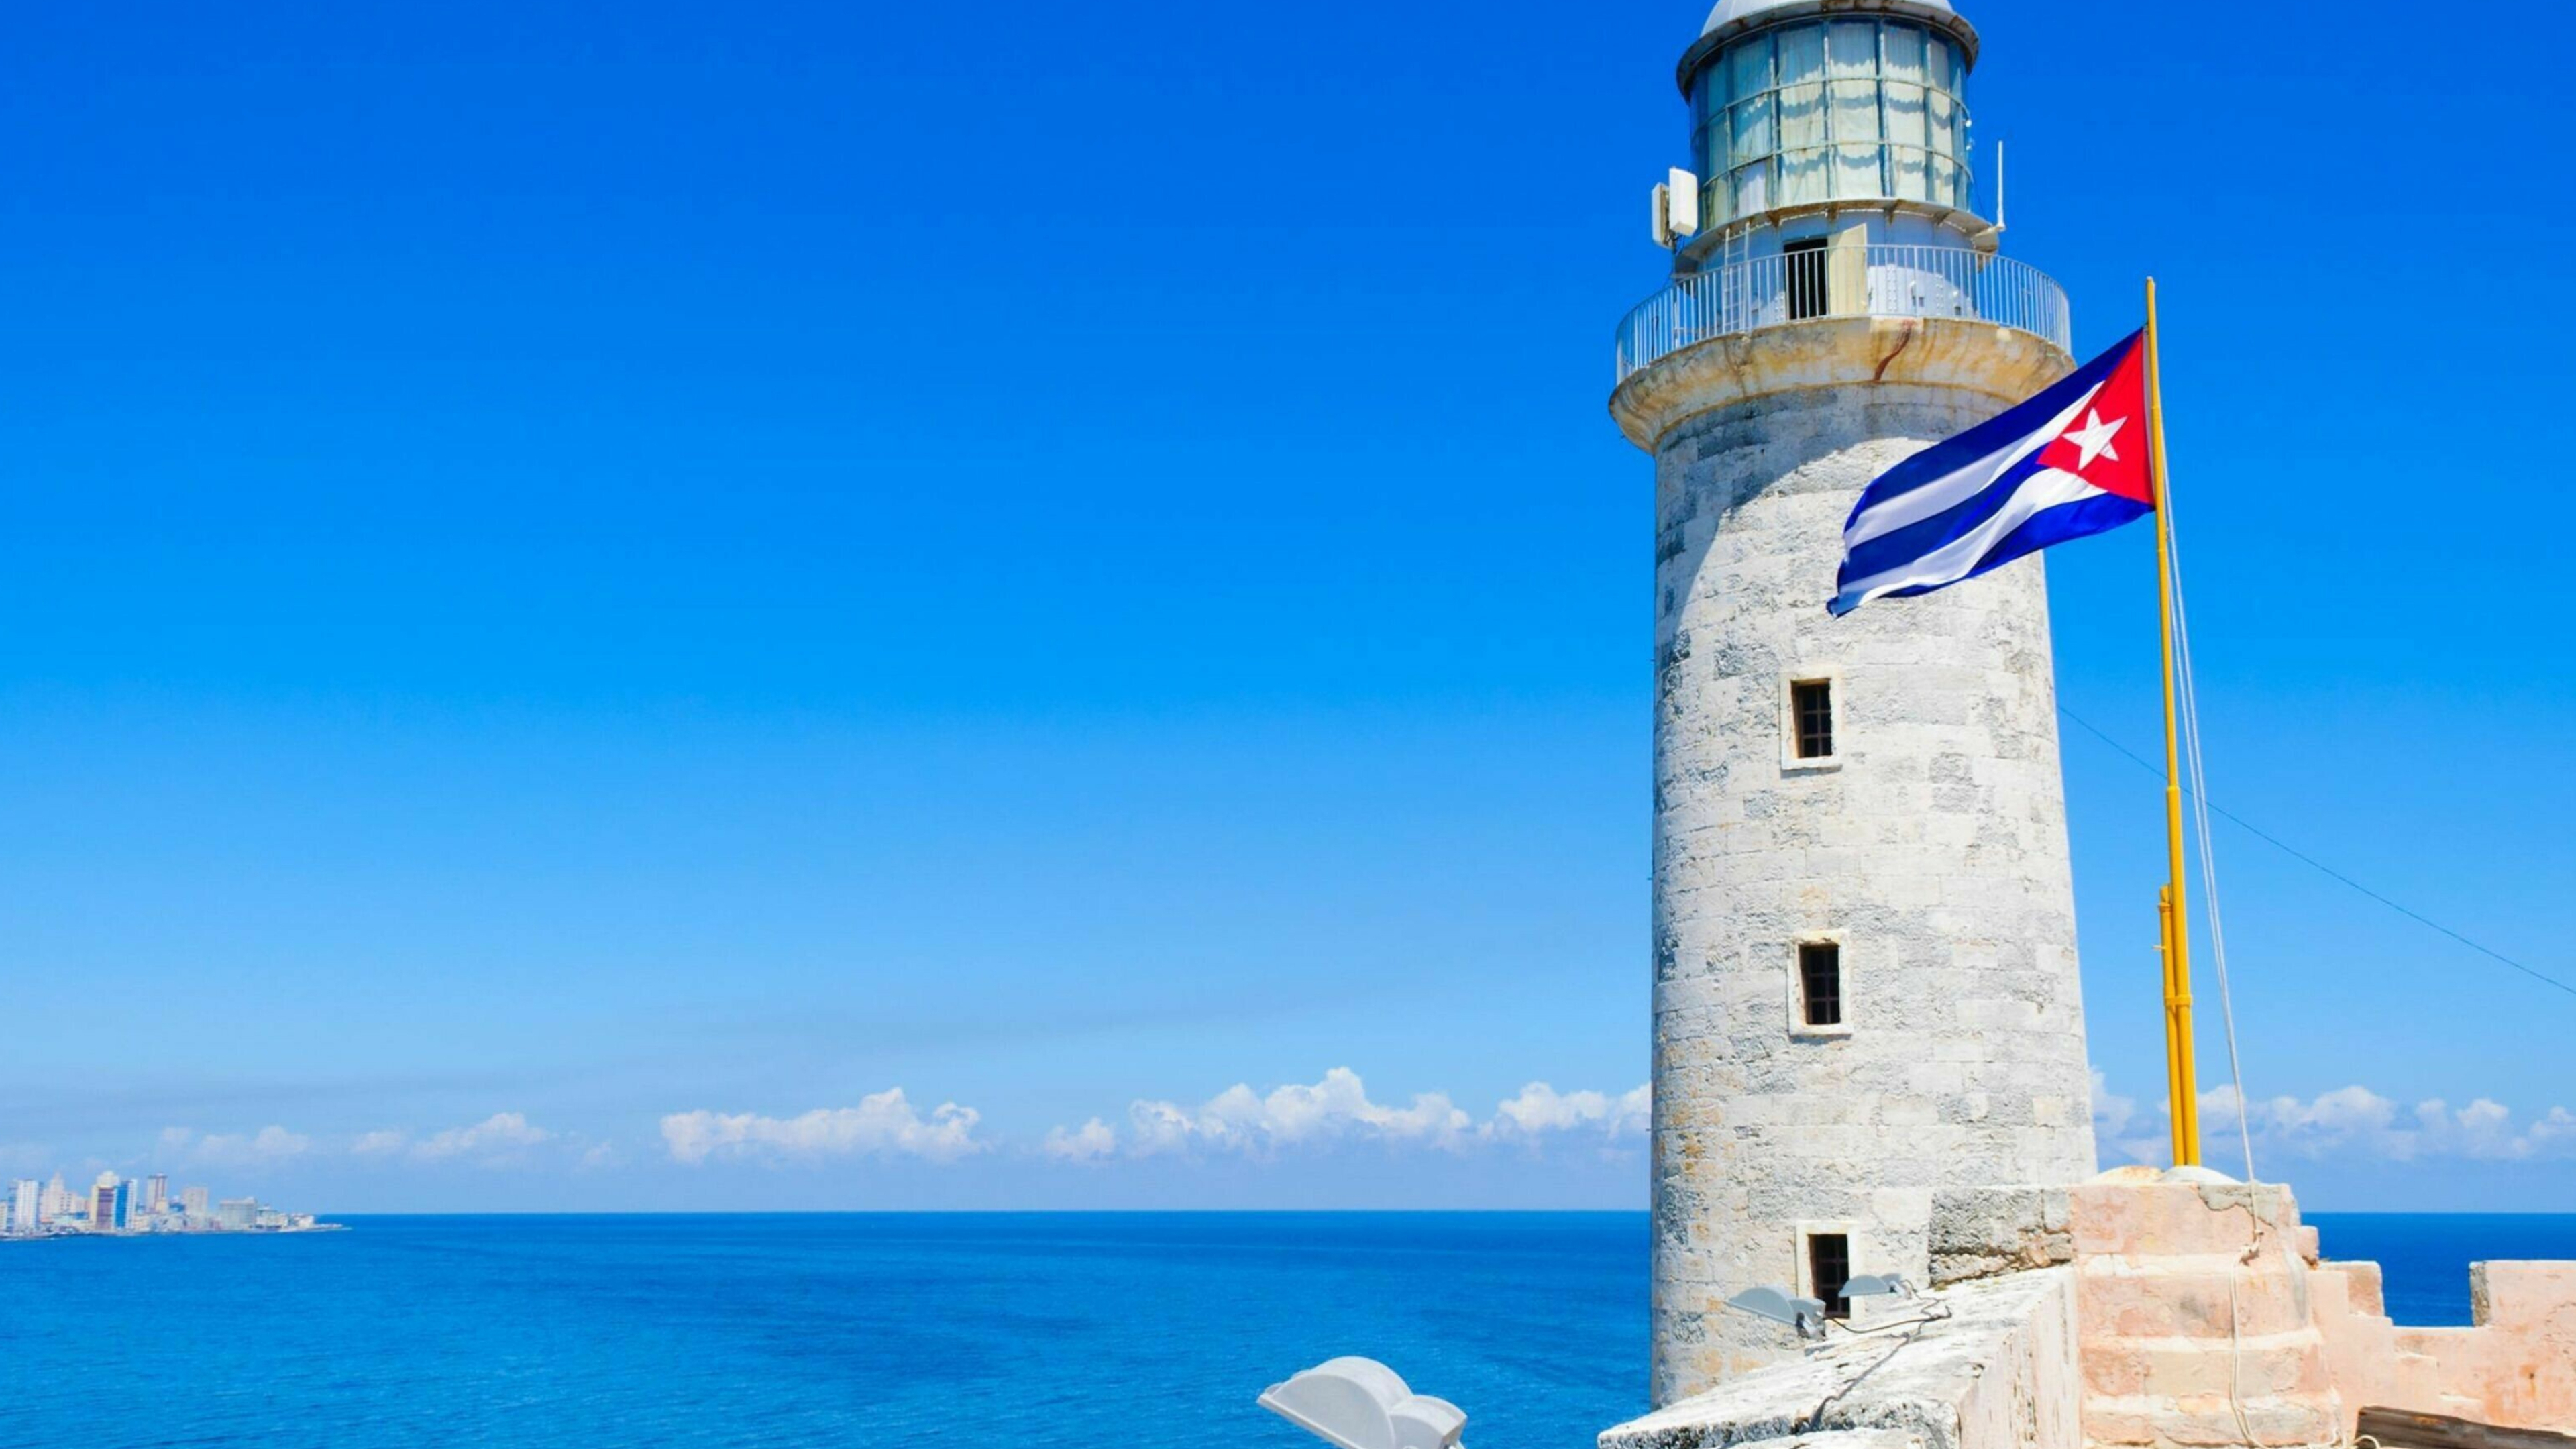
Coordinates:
[1865,983]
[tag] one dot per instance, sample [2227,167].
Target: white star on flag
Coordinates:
[2094,439]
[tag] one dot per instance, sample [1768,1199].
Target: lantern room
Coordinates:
[1808,116]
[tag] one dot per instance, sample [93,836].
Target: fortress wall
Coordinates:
[2136,1313]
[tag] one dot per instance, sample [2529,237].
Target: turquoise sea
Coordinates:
[1101,1331]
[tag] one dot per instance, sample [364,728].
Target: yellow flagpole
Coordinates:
[2176,950]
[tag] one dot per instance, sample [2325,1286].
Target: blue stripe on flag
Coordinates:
[1872,557]
[1991,436]
[2046,527]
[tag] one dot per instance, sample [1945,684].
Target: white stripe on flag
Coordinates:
[1950,490]
[1952,561]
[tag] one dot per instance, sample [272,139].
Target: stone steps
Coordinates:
[2192,1297]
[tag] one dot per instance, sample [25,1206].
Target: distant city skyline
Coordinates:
[113,1204]
[842,610]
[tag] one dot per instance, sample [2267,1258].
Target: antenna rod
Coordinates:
[1999,186]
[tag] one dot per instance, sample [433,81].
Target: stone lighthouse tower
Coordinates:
[1864,933]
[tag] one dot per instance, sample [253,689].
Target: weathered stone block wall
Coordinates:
[1932,849]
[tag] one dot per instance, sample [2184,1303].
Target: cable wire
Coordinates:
[2301,856]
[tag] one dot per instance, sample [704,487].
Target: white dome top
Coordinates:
[1730,11]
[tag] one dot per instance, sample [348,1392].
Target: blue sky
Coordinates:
[587,592]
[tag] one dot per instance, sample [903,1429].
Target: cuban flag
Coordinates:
[2069,462]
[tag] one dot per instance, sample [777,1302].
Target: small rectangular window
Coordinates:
[1811,701]
[1820,981]
[1805,261]
[1828,1270]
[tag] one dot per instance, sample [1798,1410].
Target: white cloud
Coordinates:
[233,1149]
[1090,1142]
[1332,1110]
[883,1125]
[2348,1121]
[501,1137]
[1541,1108]
[2555,1132]
[498,1140]
[1338,1109]
[2113,1117]
[2356,1119]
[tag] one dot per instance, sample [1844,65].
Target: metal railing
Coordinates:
[1878,281]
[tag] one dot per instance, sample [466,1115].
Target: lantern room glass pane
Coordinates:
[1754,137]
[1904,54]
[1941,119]
[1856,171]
[1802,54]
[1752,186]
[1748,69]
[1909,168]
[1851,49]
[1802,117]
[1803,153]
[1805,175]
[1905,114]
[1855,110]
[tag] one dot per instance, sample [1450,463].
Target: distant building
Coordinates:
[114,1204]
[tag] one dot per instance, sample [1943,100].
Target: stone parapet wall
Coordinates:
[2207,1316]
[2133,1312]
[1999,1372]
[2515,1366]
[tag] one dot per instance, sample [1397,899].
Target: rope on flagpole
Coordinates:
[2190,692]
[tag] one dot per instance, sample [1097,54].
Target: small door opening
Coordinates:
[1829,1271]
[1809,294]
[1820,981]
